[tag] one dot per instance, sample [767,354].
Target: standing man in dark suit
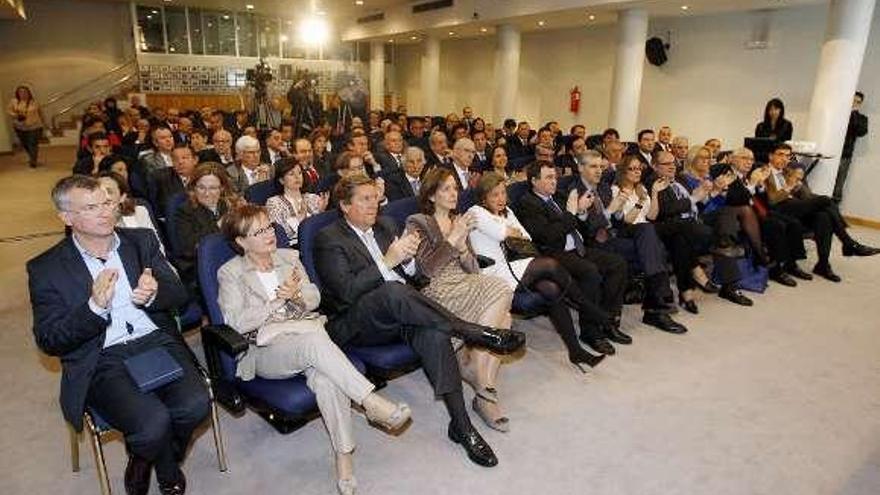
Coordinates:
[858,127]
[99,297]
[364,269]
[407,181]
[601,275]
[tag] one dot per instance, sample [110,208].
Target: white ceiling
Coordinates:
[401,26]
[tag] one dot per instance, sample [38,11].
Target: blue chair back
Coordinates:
[308,230]
[174,204]
[401,209]
[466,199]
[515,192]
[260,192]
[214,252]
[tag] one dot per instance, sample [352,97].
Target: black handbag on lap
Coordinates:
[517,248]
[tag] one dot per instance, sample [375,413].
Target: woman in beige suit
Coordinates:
[266,295]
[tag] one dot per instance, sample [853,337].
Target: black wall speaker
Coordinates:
[655,51]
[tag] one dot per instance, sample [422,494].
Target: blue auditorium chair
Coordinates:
[286,404]
[190,316]
[401,209]
[382,361]
[260,192]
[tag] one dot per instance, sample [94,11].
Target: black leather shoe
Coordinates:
[780,277]
[689,306]
[795,271]
[615,335]
[856,249]
[137,476]
[662,321]
[734,296]
[478,451]
[826,272]
[499,341]
[710,287]
[599,345]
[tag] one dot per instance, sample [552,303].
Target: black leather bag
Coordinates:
[517,248]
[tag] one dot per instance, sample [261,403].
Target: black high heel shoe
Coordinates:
[689,306]
[585,357]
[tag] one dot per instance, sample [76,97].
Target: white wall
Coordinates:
[712,85]
[63,44]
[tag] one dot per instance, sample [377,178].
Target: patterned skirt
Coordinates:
[464,294]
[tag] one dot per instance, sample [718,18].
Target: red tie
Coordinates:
[313,176]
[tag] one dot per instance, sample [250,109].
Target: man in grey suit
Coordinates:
[248,170]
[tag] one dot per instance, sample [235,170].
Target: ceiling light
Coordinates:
[451,33]
[684,7]
[154,12]
[225,17]
[541,23]
[314,31]
[391,41]
[591,17]
[249,7]
[414,38]
[284,38]
[484,30]
[149,17]
[358,2]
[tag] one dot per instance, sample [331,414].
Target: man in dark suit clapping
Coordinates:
[99,297]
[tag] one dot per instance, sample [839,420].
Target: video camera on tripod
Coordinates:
[259,78]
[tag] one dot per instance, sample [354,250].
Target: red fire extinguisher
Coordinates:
[575,103]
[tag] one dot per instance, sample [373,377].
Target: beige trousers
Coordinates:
[329,374]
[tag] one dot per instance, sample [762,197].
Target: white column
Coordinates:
[507,52]
[377,75]
[846,36]
[632,32]
[430,75]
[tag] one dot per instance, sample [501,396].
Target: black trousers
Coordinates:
[820,214]
[394,312]
[601,275]
[784,238]
[840,180]
[30,141]
[686,241]
[641,240]
[157,426]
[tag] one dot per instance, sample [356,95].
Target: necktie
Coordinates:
[415,186]
[575,235]
[313,176]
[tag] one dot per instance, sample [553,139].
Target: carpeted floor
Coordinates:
[782,398]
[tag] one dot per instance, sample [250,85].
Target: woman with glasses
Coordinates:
[266,295]
[209,197]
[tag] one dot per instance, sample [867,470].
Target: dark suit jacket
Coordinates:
[60,288]
[162,185]
[670,207]
[347,271]
[193,223]
[387,162]
[781,133]
[483,165]
[516,149]
[397,185]
[595,220]
[548,228]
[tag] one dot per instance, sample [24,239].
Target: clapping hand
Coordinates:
[585,202]
[571,203]
[403,248]
[290,288]
[146,288]
[461,227]
[660,184]
[104,286]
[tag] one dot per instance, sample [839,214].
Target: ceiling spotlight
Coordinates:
[314,31]
[451,33]
[154,12]
[284,38]
[541,23]
[225,17]
[249,7]
[391,41]
[358,2]
[414,38]
[591,17]
[684,7]
[484,30]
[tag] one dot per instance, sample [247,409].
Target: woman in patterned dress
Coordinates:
[446,258]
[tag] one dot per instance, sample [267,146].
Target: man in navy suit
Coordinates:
[99,297]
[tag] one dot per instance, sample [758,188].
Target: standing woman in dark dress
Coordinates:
[27,121]
[774,126]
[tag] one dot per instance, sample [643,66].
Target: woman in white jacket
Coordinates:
[540,275]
